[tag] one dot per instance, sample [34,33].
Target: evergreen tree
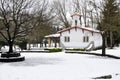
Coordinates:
[107,15]
[110,21]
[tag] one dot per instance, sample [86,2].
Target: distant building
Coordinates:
[76,36]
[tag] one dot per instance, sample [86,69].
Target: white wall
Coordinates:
[76,18]
[76,38]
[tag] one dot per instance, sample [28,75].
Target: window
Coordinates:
[80,20]
[85,39]
[67,39]
[76,22]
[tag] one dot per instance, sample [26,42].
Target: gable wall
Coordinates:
[76,38]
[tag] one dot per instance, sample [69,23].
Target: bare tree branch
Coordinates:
[16,17]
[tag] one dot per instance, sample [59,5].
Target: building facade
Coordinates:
[77,36]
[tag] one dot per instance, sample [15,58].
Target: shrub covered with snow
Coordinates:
[5,49]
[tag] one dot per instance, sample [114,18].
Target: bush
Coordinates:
[98,48]
[54,50]
[22,44]
[3,43]
[76,49]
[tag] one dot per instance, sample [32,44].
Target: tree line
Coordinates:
[30,21]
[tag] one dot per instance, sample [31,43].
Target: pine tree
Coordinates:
[110,19]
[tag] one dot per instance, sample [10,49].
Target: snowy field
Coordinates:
[61,66]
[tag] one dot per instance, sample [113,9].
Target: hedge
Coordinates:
[76,49]
[54,50]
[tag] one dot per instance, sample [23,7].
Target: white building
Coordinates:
[76,36]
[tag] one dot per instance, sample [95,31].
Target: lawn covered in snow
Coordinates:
[61,66]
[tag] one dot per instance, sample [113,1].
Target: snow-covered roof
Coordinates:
[83,28]
[53,35]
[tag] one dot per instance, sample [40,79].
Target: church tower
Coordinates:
[76,20]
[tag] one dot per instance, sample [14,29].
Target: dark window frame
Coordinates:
[66,39]
[76,22]
[86,39]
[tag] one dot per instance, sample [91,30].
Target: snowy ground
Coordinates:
[115,51]
[61,66]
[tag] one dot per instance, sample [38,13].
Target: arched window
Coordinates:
[76,22]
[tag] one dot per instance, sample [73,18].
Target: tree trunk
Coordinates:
[111,40]
[10,47]
[106,42]
[55,42]
[103,45]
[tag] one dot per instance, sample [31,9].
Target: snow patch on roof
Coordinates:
[53,35]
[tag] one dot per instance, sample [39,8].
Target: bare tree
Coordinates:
[43,22]
[98,8]
[61,12]
[81,6]
[16,20]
